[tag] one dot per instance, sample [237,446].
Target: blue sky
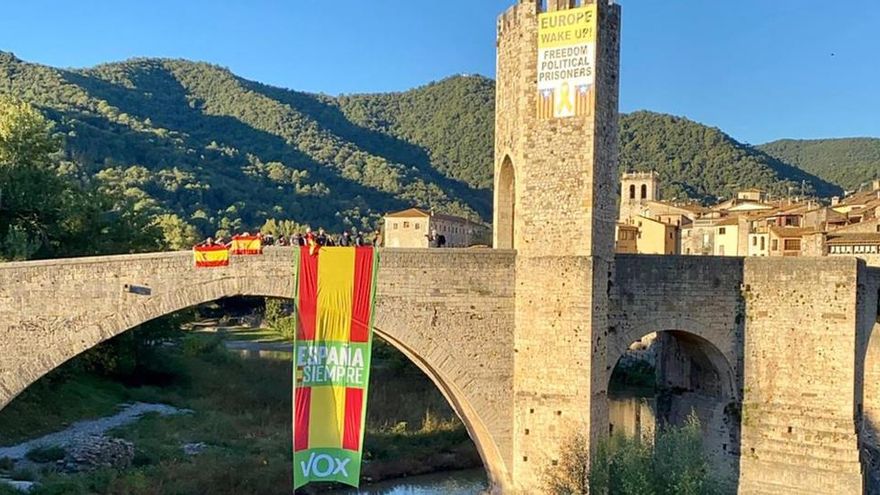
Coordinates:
[758,69]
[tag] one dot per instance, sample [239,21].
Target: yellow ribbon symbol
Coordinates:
[564,100]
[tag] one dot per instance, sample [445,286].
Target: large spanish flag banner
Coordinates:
[211,256]
[246,244]
[335,287]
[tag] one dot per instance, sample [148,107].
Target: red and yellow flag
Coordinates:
[246,244]
[335,288]
[210,256]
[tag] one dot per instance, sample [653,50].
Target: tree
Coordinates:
[31,193]
[176,233]
[49,207]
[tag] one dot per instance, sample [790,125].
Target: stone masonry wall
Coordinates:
[868,366]
[799,406]
[697,305]
[449,310]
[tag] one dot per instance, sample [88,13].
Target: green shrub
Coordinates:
[675,464]
[22,475]
[279,320]
[6,464]
[46,454]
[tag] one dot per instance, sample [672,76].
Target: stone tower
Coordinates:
[640,186]
[636,189]
[556,189]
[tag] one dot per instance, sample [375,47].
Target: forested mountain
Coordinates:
[849,162]
[222,152]
[228,153]
[703,163]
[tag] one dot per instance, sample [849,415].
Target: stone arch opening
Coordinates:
[505,206]
[665,376]
[632,191]
[869,410]
[644,193]
[90,334]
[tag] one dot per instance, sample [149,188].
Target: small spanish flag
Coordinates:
[211,256]
[246,244]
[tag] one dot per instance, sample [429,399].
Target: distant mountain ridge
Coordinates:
[223,152]
[849,162]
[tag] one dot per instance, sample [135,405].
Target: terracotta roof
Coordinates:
[872,237]
[409,213]
[792,231]
[727,221]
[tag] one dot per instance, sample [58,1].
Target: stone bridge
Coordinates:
[778,357]
[794,399]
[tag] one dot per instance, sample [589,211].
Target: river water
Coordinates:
[467,482]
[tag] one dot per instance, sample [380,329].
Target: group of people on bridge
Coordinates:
[309,238]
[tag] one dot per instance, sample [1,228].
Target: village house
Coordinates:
[748,225]
[410,229]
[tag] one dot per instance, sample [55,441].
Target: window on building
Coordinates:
[762,244]
[406,225]
[789,221]
[670,235]
[792,245]
[775,244]
[722,231]
[754,241]
[644,191]
[878,228]
[418,226]
[394,225]
[632,192]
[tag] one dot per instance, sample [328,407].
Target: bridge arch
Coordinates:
[69,306]
[692,376]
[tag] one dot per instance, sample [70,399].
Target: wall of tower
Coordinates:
[565,211]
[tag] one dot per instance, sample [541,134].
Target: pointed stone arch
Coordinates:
[505,206]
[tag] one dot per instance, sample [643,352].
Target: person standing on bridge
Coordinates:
[345,239]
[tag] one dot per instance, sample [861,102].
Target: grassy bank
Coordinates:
[241,413]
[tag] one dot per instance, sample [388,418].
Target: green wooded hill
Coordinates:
[223,152]
[703,163]
[849,162]
[227,153]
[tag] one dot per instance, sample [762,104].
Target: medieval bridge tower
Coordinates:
[787,342]
[556,204]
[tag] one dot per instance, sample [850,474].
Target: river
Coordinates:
[467,482]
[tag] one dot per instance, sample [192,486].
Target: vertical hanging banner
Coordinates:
[566,62]
[335,288]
